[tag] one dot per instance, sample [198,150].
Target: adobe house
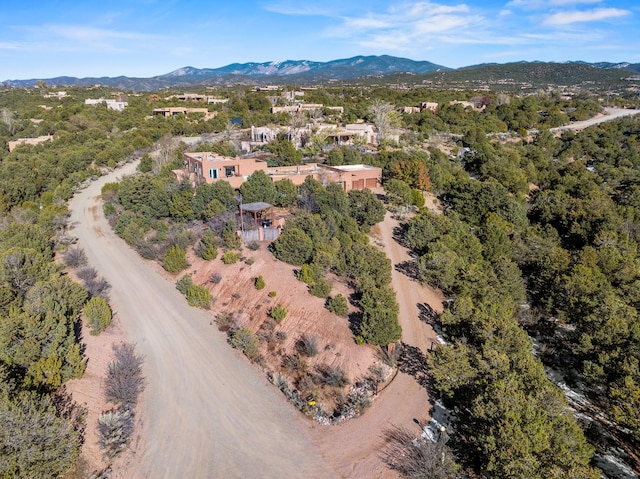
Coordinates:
[350,177]
[212,167]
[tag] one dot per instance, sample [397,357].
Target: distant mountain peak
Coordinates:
[300,71]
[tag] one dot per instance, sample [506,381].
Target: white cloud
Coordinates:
[409,26]
[543,4]
[89,34]
[12,46]
[567,18]
[300,9]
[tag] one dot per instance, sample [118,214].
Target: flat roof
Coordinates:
[354,167]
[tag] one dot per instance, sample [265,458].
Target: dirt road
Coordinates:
[354,447]
[206,412]
[610,115]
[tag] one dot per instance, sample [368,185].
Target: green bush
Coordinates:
[307,274]
[321,288]
[278,312]
[253,246]
[207,247]
[176,259]
[230,235]
[199,296]
[246,341]
[338,305]
[230,257]
[417,198]
[184,284]
[98,314]
[259,283]
[272,294]
[293,246]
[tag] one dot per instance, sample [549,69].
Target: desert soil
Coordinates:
[206,411]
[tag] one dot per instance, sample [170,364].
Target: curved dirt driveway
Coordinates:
[610,114]
[206,412]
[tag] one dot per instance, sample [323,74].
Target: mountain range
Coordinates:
[289,71]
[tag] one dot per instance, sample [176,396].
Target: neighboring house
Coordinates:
[478,106]
[432,106]
[212,167]
[178,110]
[408,109]
[297,107]
[111,104]
[56,94]
[195,97]
[28,141]
[365,131]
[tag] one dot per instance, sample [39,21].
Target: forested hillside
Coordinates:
[559,261]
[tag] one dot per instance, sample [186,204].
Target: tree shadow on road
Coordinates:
[410,269]
[414,363]
[399,235]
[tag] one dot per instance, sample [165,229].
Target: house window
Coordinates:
[213,173]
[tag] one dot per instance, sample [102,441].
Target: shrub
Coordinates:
[75,257]
[278,312]
[98,314]
[98,287]
[199,297]
[307,274]
[295,364]
[250,261]
[230,257]
[225,321]
[215,278]
[293,246]
[176,259]
[114,429]
[87,273]
[307,345]
[413,457]
[330,376]
[146,249]
[338,305]
[320,288]
[272,294]
[230,236]
[184,283]
[207,247]
[253,245]
[417,198]
[246,341]
[124,381]
[259,283]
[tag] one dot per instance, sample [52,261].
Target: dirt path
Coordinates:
[206,412]
[354,447]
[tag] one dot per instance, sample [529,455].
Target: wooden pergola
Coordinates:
[258,210]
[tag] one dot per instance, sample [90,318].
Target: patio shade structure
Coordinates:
[257,209]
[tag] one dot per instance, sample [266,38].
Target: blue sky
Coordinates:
[44,39]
